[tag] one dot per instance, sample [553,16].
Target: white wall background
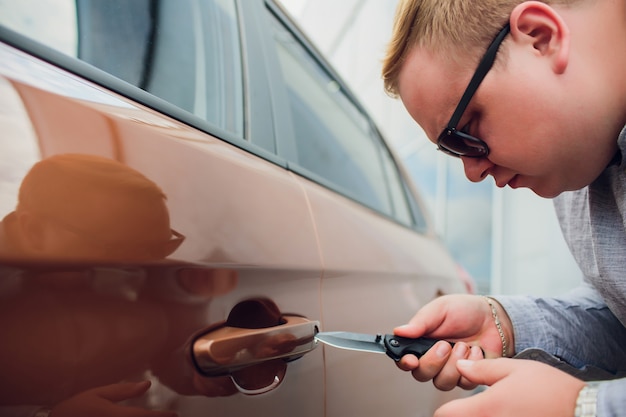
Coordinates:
[518,242]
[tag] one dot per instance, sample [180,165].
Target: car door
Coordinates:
[288,214]
[224,323]
[381,259]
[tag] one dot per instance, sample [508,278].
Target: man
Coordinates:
[76,207]
[80,208]
[532,94]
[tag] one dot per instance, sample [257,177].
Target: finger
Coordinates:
[122,391]
[409,330]
[427,319]
[488,371]
[476,353]
[431,362]
[449,376]
[408,362]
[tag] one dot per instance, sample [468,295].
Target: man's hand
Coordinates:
[466,320]
[516,388]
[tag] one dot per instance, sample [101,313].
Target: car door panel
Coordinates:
[79,327]
[190,166]
[370,285]
[270,234]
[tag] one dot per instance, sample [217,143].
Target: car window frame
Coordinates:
[268,134]
[414,205]
[259,136]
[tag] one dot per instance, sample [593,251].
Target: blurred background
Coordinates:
[508,240]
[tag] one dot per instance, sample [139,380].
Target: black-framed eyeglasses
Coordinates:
[456,142]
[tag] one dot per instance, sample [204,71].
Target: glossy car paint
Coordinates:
[254,230]
[220,229]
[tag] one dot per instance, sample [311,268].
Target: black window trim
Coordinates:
[109,82]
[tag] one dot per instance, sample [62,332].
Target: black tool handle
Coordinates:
[398,346]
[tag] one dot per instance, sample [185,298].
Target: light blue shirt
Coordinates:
[583,332]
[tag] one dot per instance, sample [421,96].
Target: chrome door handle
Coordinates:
[228,349]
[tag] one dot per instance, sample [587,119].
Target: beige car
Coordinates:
[188,193]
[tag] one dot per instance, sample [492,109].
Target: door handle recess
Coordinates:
[227,349]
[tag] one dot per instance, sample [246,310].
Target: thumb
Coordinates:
[409,330]
[425,321]
[486,371]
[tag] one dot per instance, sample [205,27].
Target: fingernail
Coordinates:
[461,350]
[464,363]
[442,350]
[476,352]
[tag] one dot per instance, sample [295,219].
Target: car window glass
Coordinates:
[186,52]
[396,190]
[333,138]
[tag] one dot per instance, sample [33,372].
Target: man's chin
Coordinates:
[546,193]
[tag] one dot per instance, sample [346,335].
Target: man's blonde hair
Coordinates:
[447,26]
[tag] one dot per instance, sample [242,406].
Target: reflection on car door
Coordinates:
[285,212]
[71,327]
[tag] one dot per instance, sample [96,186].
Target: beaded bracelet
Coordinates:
[494,313]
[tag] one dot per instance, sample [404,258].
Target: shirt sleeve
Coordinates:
[611,399]
[577,328]
[579,332]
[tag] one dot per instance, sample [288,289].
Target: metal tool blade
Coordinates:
[353,341]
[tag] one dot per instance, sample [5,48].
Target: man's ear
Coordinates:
[542,28]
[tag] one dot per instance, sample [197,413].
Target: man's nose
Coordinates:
[476,169]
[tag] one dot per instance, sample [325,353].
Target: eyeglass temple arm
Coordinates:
[483,68]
